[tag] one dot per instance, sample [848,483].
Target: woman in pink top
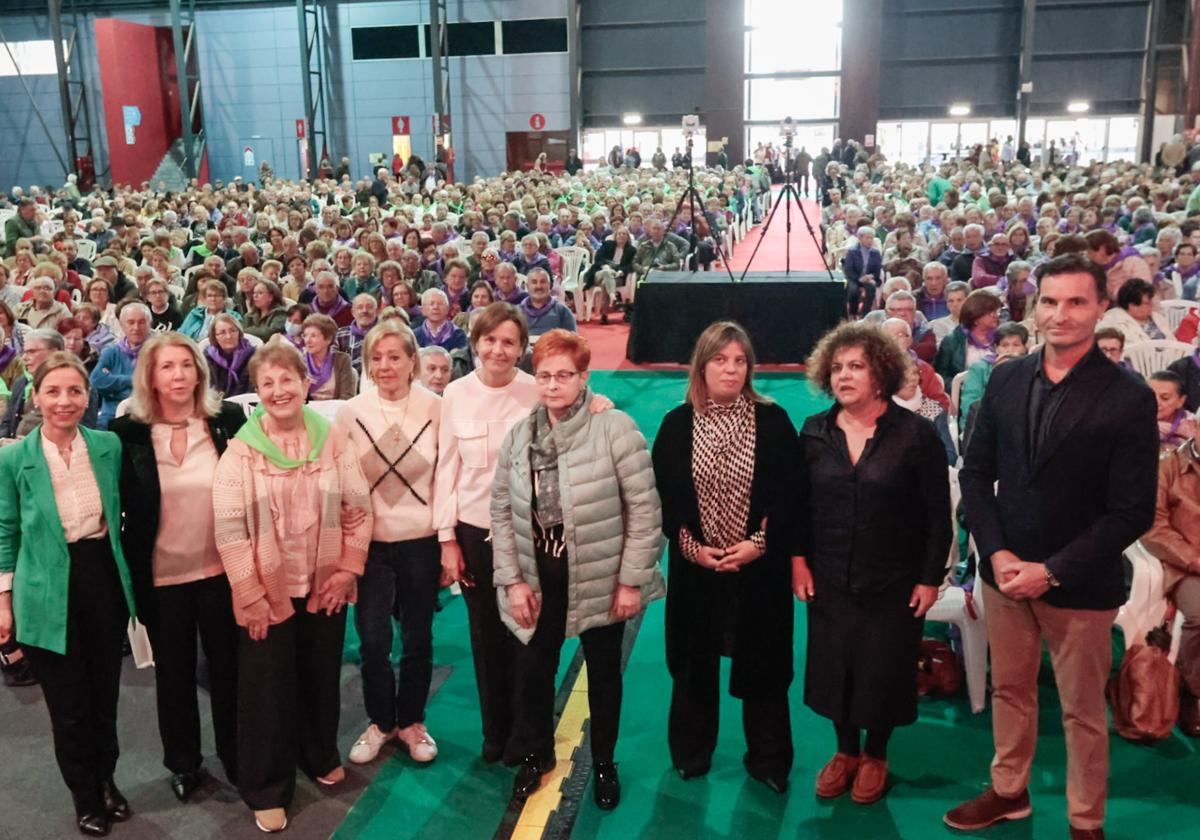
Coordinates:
[292,566]
[477,411]
[171,440]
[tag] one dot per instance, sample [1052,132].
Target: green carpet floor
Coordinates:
[935,764]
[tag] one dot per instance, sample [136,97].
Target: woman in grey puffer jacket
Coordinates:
[576,541]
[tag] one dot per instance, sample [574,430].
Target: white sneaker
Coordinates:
[420,745]
[367,747]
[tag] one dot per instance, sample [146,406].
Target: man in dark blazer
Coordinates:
[1072,441]
[862,267]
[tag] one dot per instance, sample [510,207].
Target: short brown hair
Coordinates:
[281,353]
[710,342]
[1110,332]
[214,286]
[978,304]
[495,315]
[1102,240]
[559,341]
[324,323]
[885,359]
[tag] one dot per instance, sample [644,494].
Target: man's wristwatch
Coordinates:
[1052,580]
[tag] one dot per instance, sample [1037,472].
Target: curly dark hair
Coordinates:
[884,356]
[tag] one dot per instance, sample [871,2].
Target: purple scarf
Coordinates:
[534,312]
[441,336]
[7,355]
[514,297]
[319,375]
[335,309]
[232,365]
[988,345]
[131,353]
[358,332]
[1124,254]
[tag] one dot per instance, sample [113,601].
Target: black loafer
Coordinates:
[687,773]
[779,784]
[608,787]
[529,777]
[115,803]
[93,825]
[183,785]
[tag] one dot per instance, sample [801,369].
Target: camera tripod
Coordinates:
[693,198]
[786,196]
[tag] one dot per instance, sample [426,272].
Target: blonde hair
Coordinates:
[710,342]
[400,330]
[143,404]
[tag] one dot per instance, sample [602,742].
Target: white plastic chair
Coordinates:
[5,215]
[951,607]
[575,261]
[1150,356]
[1147,600]
[1177,310]
[248,402]
[327,408]
[86,249]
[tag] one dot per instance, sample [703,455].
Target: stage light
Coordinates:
[1078,107]
[632,119]
[960,109]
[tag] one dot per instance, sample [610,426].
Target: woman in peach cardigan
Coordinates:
[293,562]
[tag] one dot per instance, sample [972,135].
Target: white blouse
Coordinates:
[76,493]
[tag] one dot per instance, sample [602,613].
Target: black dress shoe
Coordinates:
[115,803]
[608,787]
[779,784]
[183,785]
[93,825]
[19,673]
[687,773]
[529,777]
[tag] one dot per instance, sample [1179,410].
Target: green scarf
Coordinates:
[252,435]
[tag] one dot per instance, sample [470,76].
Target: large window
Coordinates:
[793,68]
[1097,138]
[33,58]
[598,142]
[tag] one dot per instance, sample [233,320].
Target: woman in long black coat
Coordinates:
[874,536]
[725,466]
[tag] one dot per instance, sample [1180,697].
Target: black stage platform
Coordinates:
[785,314]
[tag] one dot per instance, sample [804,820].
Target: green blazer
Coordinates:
[32,543]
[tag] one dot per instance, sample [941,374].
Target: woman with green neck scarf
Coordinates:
[576,539]
[293,566]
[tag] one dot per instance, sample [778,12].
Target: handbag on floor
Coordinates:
[1144,694]
[938,669]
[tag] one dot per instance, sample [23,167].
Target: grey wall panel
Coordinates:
[1102,79]
[952,6]
[935,87]
[619,11]
[1096,30]
[664,93]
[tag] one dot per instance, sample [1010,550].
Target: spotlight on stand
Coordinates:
[690,125]
[787,128]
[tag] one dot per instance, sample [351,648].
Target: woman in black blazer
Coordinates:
[873,537]
[172,438]
[613,263]
[725,464]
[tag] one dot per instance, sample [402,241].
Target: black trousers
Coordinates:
[400,581]
[491,643]
[289,700]
[536,665]
[81,686]
[860,297]
[802,183]
[692,724]
[203,607]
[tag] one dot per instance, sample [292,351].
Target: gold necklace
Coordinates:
[397,427]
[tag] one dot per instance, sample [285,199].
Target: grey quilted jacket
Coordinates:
[612,518]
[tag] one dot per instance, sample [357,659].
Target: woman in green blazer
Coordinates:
[64,584]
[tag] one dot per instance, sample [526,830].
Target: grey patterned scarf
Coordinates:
[543,459]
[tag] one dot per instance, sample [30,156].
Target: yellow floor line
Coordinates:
[567,737]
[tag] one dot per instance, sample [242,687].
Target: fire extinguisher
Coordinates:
[85,167]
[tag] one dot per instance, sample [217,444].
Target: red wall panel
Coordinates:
[137,68]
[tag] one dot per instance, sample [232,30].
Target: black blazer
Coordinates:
[141,495]
[604,256]
[882,522]
[762,591]
[1090,493]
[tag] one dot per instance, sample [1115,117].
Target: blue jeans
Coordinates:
[400,582]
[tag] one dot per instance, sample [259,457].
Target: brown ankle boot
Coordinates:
[987,809]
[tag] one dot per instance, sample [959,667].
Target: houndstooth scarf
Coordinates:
[723,438]
[543,458]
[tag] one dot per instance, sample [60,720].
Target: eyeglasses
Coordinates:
[562,377]
[226,333]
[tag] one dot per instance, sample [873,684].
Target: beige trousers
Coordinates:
[1080,643]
